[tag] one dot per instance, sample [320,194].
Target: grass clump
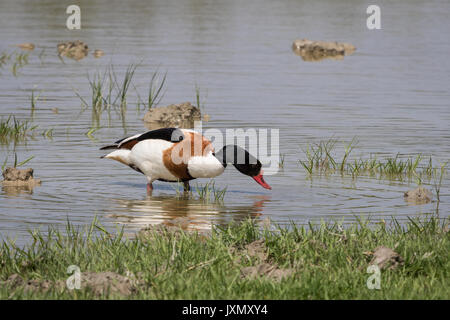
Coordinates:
[281,161]
[327,261]
[155,93]
[17,59]
[20,60]
[321,158]
[108,93]
[209,192]
[14,130]
[16,164]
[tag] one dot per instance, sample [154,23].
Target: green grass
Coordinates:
[33,101]
[20,60]
[17,59]
[198,99]
[108,93]
[281,162]
[16,164]
[329,262]
[321,158]
[209,192]
[14,130]
[155,93]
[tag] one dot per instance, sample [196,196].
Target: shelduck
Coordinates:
[174,154]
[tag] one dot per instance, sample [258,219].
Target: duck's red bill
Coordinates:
[259,178]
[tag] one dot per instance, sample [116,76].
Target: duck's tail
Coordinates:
[121,155]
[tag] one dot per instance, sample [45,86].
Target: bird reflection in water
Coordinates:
[187,213]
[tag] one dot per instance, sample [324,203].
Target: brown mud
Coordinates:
[14,177]
[100,283]
[420,195]
[76,50]
[263,266]
[386,258]
[180,115]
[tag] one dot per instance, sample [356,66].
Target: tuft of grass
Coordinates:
[437,177]
[48,133]
[14,130]
[108,93]
[33,100]
[155,93]
[90,133]
[281,162]
[321,158]
[327,261]
[20,60]
[15,165]
[198,99]
[209,192]
[97,98]
[122,88]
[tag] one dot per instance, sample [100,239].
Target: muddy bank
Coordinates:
[180,115]
[100,283]
[386,258]
[251,263]
[318,50]
[14,177]
[262,265]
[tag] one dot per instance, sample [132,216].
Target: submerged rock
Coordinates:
[76,50]
[318,50]
[19,177]
[420,195]
[180,115]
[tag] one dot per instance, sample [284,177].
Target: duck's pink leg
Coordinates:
[149,188]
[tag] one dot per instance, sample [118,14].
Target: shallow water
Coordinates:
[392,93]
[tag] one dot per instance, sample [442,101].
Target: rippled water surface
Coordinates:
[392,93]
